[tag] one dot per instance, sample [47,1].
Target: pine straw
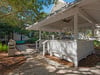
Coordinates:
[7,64]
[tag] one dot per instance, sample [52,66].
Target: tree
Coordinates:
[26,11]
[6,30]
[16,14]
[21,13]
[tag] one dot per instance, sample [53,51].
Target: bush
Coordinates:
[0,46]
[32,40]
[97,43]
[3,48]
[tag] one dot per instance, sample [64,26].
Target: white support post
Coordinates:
[75,62]
[39,39]
[93,31]
[43,49]
[36,45]
[76,36]
[39,35]
[76,26]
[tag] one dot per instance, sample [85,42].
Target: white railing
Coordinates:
[44,46]
[38,44]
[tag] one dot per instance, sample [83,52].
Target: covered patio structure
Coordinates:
[75,18]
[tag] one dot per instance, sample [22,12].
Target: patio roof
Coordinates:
[88,15]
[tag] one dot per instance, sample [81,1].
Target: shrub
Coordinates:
[3,48]
[0,46]
[97,43]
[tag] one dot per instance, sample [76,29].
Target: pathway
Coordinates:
[25,49]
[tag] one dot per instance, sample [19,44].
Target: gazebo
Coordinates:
[76,17]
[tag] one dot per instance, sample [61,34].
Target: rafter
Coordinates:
[82,13]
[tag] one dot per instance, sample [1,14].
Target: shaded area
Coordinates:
[90,61]
[8,64]
[35,65]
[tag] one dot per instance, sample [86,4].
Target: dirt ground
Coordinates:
[8,64]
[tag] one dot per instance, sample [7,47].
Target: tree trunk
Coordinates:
[21,37]
[12,35]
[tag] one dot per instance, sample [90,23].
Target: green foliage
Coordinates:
[5,28]
[20,12]
[15,15]
[3,48]
[31,40]
[89,33]
[0,46]
[97,43]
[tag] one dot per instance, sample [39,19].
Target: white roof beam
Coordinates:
[84,15]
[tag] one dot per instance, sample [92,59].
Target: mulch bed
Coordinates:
[7,64]
[97,48]
[61,61]
[89,61]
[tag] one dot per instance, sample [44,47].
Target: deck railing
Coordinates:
[37,44]
[44,46]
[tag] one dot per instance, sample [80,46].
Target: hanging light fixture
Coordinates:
[66,20]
